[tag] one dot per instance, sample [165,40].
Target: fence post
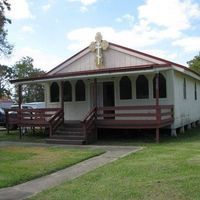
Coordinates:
[85,130]
[19,122]
[50,130]
[7,122]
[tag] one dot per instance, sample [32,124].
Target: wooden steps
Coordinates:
[69,133]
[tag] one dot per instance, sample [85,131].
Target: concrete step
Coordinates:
[69,133]
[61,141]
[68,137]
[58,132]
[73,125]
[62,129]
[70,128]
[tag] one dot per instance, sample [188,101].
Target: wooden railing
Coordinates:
[47,117]
[55,121]
[145,116]
[89,121]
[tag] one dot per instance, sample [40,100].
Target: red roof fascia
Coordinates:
[155,57]
[66,60]
[97,71]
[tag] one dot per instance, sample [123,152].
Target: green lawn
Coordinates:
[20,163]
[38,136]
[166,171]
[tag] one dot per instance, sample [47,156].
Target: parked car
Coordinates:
[2,117]
[13,114]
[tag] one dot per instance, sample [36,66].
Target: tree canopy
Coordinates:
[23,69]
[194,64]
[5,75]
[5,47]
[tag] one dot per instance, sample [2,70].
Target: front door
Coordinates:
[108,98]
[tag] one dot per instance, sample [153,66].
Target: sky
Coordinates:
[50,31]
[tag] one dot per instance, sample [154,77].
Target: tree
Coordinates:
[5,47]
[25,69]
[5,74]
[194,64]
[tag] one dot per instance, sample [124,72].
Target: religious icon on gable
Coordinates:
[99,45]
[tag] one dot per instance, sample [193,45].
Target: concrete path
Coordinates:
[28,189]
[2,128]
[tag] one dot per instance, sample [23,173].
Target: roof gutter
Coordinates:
[90,76]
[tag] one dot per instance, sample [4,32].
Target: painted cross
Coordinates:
[99,45]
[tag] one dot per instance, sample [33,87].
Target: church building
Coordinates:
[108,86]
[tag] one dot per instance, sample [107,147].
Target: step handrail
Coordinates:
[55,121]
[89,121]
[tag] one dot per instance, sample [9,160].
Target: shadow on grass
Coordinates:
[38,136]
[113,137]
[145,137]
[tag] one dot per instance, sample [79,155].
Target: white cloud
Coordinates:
[172,14]
[126,18]
[42,60]
[88,2]
[46,7]
[139,36]
[28,29]
[158,21]
[83,9]
[85,2]
[19,10]
[189,44]
[82,37]
[162,54]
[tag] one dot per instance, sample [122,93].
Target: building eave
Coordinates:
[92,73]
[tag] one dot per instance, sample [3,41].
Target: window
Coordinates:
[67,91]
[125,88]
[142,87]
[184,89]
[162,86]
[195,91]
[54,92]
[80,90]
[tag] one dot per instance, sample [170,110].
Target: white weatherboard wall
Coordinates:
[113,57]
[74,110]
[186,110]
[150,101]
[77,110]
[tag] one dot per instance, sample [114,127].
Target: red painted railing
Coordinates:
[146,116]
[139,117]
[89,121]
[46,117]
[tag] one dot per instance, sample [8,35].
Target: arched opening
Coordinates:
[80,91]
[142,87]
[162,86]
[54,92]
[67,91]
[125,88]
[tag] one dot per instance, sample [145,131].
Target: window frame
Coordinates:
[67,96]
[138,89]
[80,91]
[161,78]
[124,92]
[54,95]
